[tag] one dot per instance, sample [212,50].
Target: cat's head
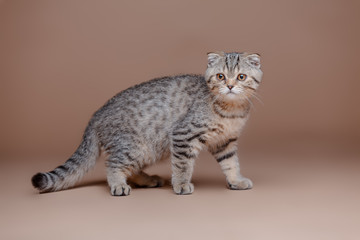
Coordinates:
[233,76]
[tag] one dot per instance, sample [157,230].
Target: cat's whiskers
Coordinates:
[249,101]
[257,97]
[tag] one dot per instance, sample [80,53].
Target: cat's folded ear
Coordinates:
[254,60]
[214,58]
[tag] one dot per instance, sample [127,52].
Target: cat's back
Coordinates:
[164,86]
[160,98]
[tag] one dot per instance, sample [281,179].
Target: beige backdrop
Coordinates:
[60,60]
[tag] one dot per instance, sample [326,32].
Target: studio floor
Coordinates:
[309,194]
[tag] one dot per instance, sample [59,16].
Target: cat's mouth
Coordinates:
[231,95]
[233,92]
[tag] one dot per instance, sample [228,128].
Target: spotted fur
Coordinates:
[167,118]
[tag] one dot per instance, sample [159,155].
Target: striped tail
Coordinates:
[73,169]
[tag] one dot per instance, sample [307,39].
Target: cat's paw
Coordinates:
[120,190]
[156,181]
[145,181]
[184,188]
[241,184]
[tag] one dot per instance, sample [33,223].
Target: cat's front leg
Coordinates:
[226,155]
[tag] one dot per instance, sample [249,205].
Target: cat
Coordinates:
[167,118]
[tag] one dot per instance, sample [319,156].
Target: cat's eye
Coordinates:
[242,77]
[220,76]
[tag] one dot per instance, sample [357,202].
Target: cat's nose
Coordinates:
[230,86]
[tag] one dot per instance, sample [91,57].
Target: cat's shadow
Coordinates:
[91,183]
[203,182]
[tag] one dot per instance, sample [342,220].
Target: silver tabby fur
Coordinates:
[167,118]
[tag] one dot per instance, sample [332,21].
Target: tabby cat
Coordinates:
[167,118]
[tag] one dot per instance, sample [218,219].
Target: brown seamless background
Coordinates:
[61,60]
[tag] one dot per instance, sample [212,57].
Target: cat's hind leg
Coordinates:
[116,178]
[120,166]
[184,150]
[141,179]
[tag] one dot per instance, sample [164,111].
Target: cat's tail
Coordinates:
[73,169]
